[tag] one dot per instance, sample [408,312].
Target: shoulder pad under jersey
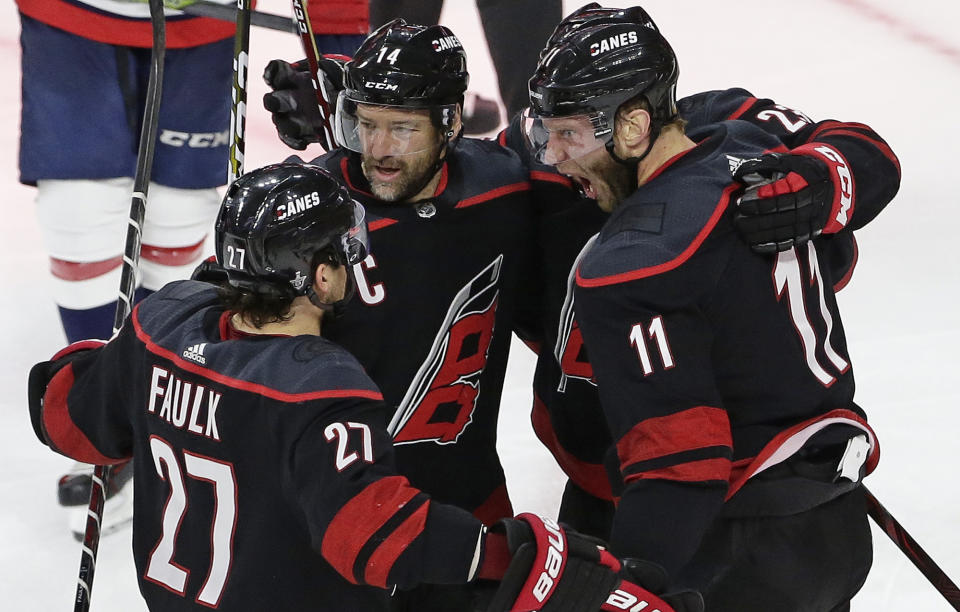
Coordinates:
[478,167]
[661,225]
[713,106]
[180,323]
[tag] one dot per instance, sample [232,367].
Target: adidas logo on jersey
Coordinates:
[735,163]
[195,353]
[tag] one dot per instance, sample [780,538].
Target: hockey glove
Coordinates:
[293,102]
[551,569]
[793,197]
[42,373]
[641,580]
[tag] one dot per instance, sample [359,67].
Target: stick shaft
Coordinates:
[238,111]
[923,562]
[225,12]
[128,282]
[309,43]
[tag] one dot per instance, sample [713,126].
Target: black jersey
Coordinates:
[704,352]
[432,318]
[566,412]
[264,475]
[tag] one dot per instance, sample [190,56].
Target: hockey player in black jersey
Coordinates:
[723,374]
[566,412]
[265,475]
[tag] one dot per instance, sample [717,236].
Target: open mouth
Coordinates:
[586,187]
[386,173]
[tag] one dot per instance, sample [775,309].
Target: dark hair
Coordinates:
[255,307]
[263,307]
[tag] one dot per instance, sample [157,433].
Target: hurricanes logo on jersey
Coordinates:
[438,406]
[570,351]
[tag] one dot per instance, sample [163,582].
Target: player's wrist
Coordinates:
[833,167]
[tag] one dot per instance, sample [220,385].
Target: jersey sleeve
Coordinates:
[367,521]
[650,346]
[874,167]
[84,410]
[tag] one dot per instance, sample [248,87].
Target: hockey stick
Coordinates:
[927,566]
[238,112]
[128,282]
[309,43]
[223,12]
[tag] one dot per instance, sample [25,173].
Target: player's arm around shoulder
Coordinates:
[366,520]
[846,169]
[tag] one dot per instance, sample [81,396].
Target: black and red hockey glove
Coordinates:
[42,373]
[642,588]
[293,102]
[790,198]
[551,569]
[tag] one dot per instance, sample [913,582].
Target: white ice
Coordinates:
[890,64]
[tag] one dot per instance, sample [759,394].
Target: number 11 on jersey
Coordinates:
[640,333]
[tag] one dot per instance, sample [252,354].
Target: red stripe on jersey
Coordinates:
[172,256]
[789,441]
[124,31]
[443,180]
[236,383]
[494,193]
[743,108]
[495,507]
[673,263]
[591,477]
[345,173]
[837,128]
[540,175]
[840,284]
[83,270]
[693,471]
[360,518]
[380,224]
[502,138]
[387,553]
[62,431]
[690,429]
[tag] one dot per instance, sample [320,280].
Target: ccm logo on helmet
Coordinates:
[447,42]
[553,562]
[384,86]
[613,42]
[285,211]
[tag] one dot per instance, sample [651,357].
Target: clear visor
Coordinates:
[388,131]
[553,140]
[354,241]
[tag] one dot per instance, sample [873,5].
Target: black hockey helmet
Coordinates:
[404,66]
[594,14]
[596,60]
[277,221]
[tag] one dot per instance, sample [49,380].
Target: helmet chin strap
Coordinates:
[632,162]
[337,308]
